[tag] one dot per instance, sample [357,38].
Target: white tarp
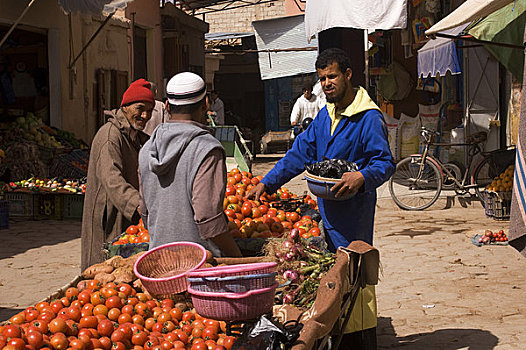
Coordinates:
[284,33]
[359,14]
[439,55]
[468,12]
[92,6]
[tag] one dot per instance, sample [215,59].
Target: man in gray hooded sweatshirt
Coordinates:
[183,174]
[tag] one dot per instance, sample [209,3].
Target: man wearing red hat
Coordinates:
[112,192]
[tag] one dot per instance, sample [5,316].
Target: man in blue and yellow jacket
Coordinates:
[351,127]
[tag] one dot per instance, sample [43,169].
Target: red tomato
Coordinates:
[228,342]
[199,346]
[84,297]
[12,331]
[118,346]
[58,325]
[132,230]
[18,318]
[73,313]
[210,333]
[105,328]
[41,305]
[182,336]
[17,343]
[39,324]
[176,314]
[35,339]
[188,316]
[106,343]
[88,322]
[315,232]
[139,338]
[59,341]
[73,328]
[114,314]
[77,344]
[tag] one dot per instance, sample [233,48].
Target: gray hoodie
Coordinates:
[168,163]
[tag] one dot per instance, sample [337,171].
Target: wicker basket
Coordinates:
[234,306]
[232,284]
[163,269]
[235,270]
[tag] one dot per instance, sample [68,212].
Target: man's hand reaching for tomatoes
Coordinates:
[257,191]
[350,183]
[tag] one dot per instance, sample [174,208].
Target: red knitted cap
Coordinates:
[138,91]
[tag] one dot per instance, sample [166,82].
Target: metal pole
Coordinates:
[91,39]
[16,23]
[366,54]
[132,48]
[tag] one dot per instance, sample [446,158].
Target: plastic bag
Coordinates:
[269,335]
[331,168]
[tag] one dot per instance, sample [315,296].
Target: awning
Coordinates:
[92,6]
[285,33]
[467,12]
[226,36]
[439,55]
[359,14]
[505,26]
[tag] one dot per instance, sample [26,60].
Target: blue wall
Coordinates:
[276,91]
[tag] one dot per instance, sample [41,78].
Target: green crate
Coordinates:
[48,207]
[20,204]
[73,206]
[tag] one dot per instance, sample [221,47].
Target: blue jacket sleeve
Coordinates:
[303,152]
[380,165]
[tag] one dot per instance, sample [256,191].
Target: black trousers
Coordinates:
[361,340]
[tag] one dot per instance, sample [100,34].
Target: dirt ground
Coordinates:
[437,290]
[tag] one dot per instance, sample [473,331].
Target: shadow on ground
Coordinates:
[23,235]
[444,339]
[6,313]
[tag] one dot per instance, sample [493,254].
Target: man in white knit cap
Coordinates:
[183,174]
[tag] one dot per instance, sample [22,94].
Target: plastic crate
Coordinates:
[20,204]
[73,205]
[498,204]
[488,204]
[4,215]
[48,207]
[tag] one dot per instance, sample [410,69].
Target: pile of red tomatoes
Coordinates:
[134,234]
[112,317]
[251,218]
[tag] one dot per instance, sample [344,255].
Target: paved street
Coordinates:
[437,290]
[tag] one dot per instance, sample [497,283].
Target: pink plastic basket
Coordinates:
[235,270]
[234,306]
[163,269]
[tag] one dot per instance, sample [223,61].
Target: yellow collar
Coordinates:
[362,102]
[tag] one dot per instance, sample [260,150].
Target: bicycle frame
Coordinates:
[459,185]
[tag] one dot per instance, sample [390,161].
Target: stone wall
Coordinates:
[240,20]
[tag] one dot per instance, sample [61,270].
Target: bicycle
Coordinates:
[420,178]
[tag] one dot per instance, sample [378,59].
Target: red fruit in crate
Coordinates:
[132,230]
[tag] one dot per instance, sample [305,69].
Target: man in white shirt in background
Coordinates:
[306,106]
[217,106]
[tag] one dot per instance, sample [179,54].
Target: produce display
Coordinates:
[490,237]
[33,129]
[260,219]
[31,147]
[134,234]
[113,316]
[302,263]
[50,185]
[503,182]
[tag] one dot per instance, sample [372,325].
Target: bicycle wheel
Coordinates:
[484,175]
[411,192]
[448,182]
